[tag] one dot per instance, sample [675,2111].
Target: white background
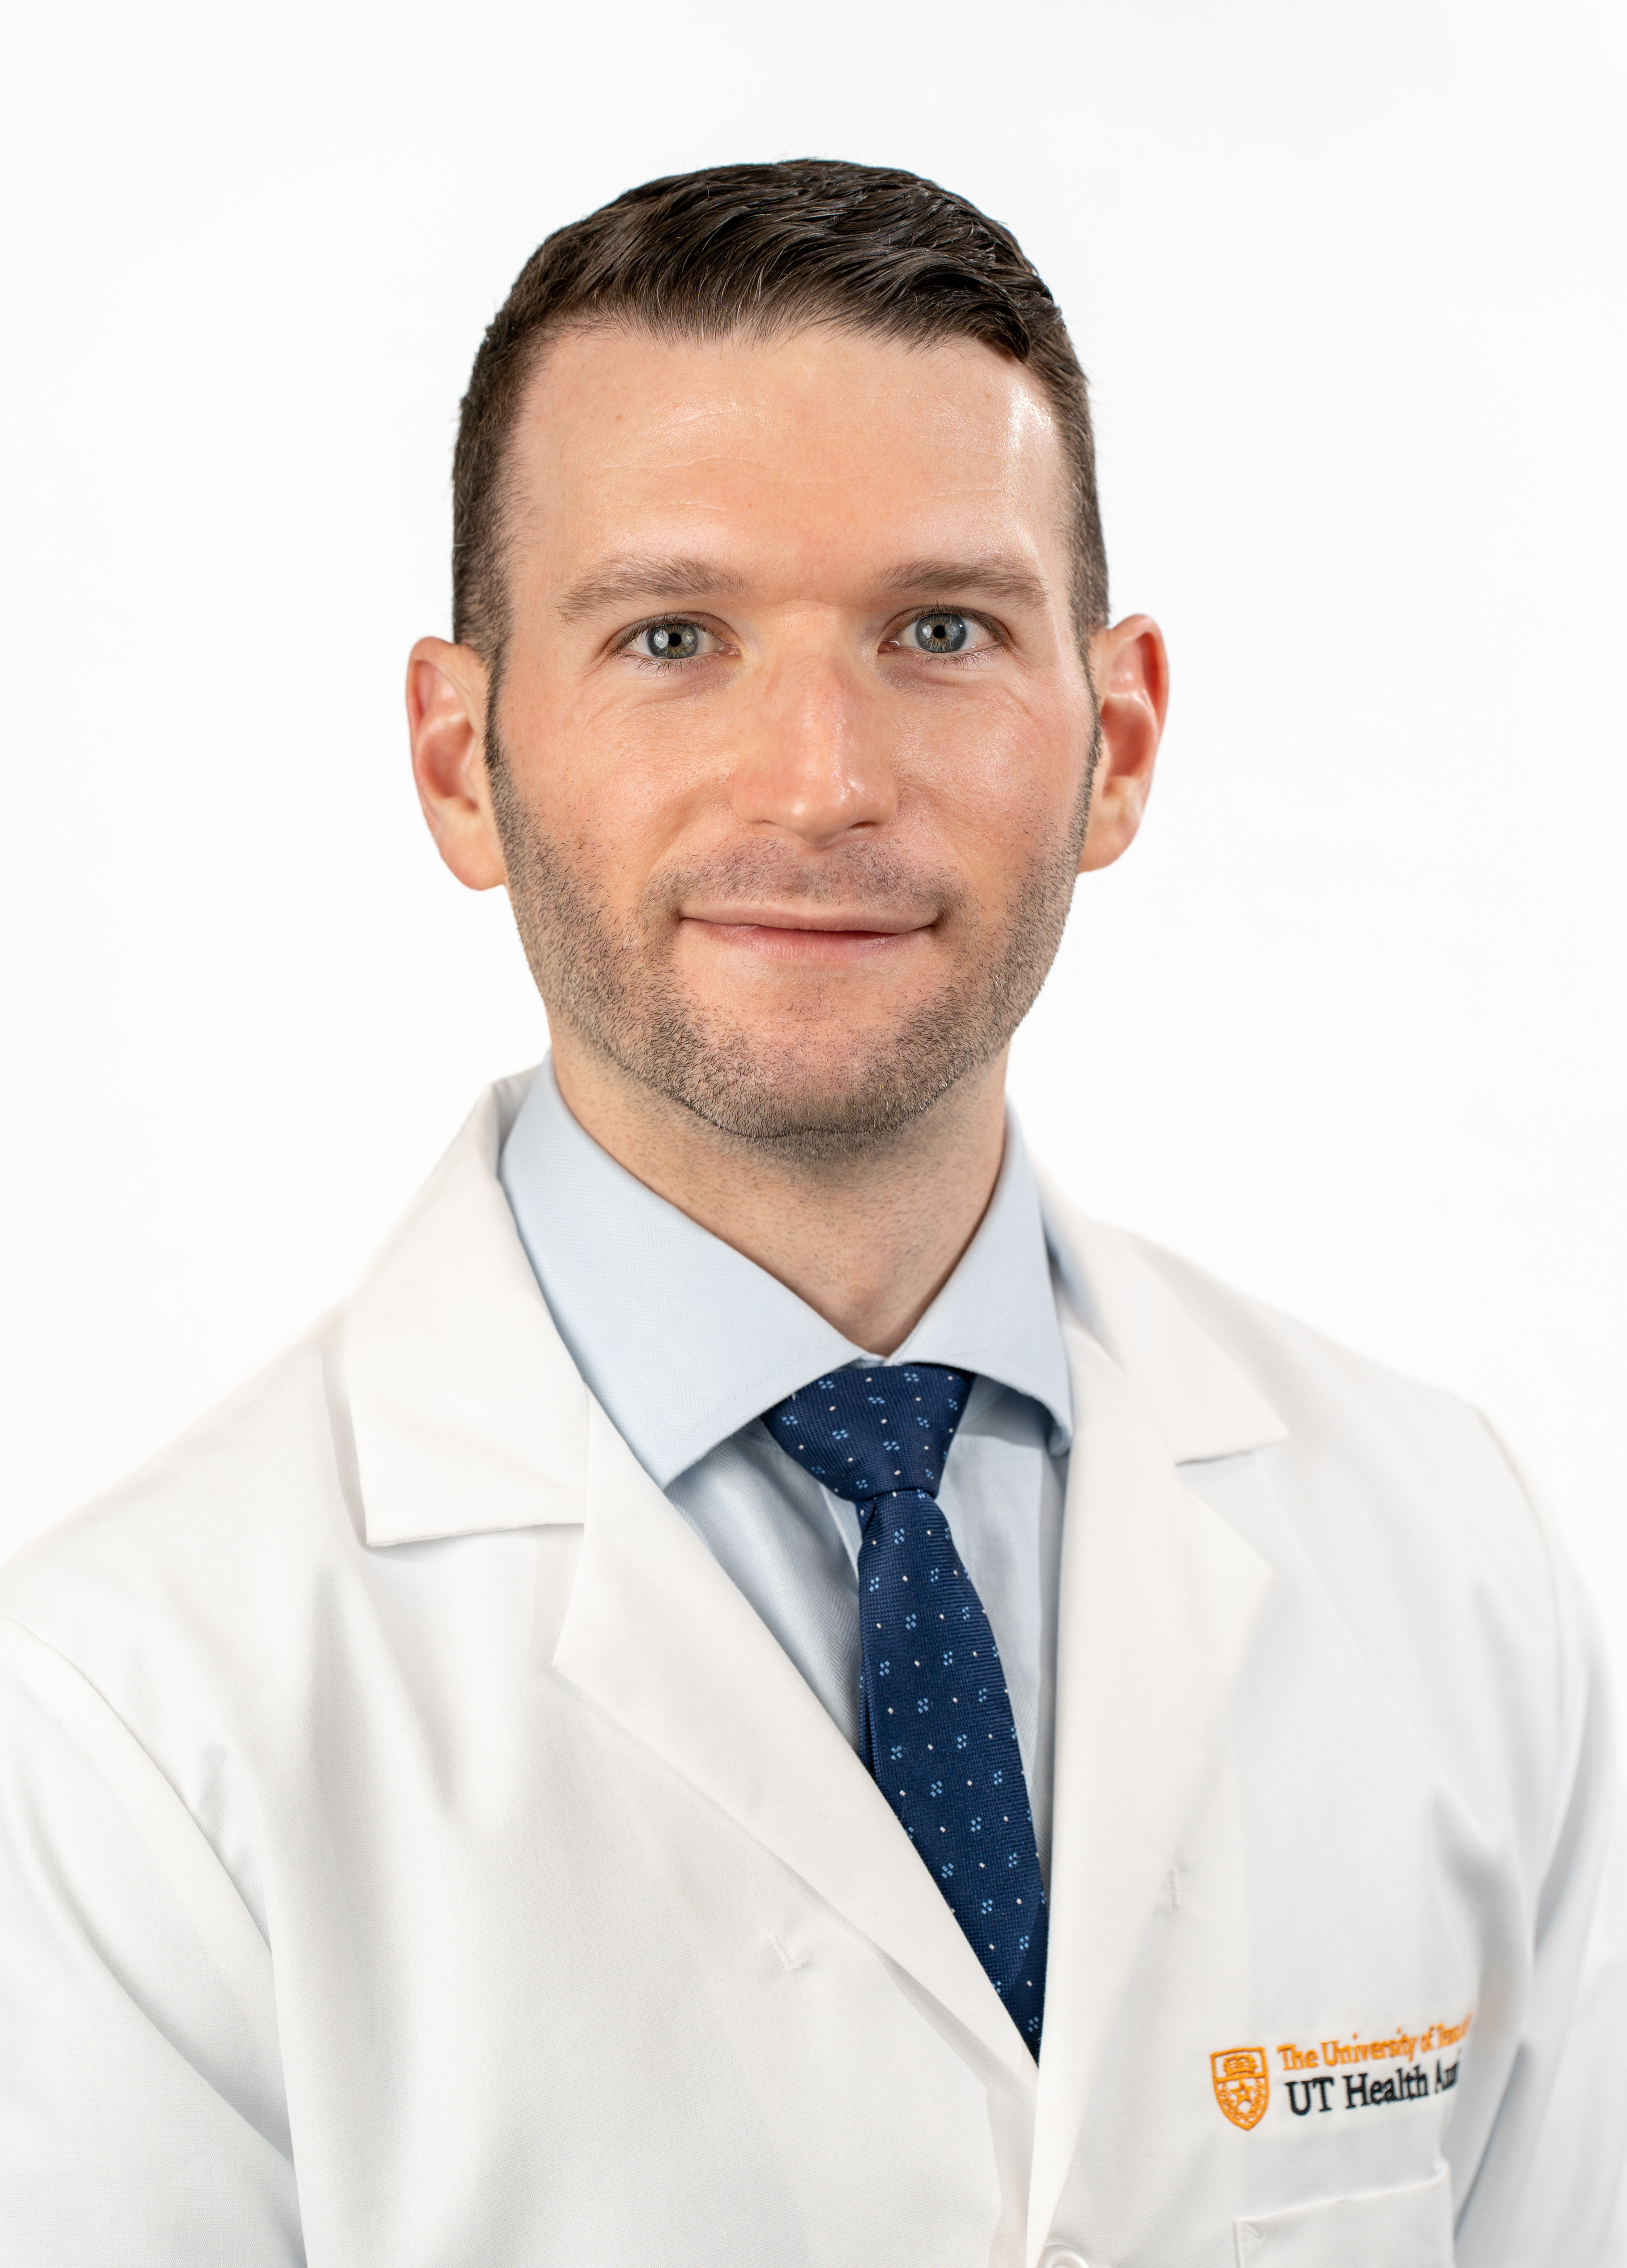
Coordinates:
[1345,1027]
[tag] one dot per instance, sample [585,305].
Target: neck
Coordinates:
[867,1238]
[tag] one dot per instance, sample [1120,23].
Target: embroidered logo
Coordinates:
[1242,2084]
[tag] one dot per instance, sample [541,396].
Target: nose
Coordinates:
[813,764]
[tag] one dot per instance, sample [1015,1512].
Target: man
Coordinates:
[764,1691]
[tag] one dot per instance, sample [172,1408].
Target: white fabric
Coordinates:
[413,1847]
[1388,2228]
[684,1342]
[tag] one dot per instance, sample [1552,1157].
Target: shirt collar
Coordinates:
[683,1340]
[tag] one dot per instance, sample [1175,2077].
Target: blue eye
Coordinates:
[669,642]
[939,632]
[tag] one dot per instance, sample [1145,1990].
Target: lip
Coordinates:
[832,937]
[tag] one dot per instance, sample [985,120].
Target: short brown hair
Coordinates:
[764,249]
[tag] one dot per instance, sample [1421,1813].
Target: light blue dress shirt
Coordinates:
[685,1343]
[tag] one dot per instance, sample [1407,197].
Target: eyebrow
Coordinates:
[671,579]
[643,576]
[997,573]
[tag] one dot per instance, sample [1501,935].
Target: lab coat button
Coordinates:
[1064,2256]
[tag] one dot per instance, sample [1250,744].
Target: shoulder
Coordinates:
[239,1522]
[212,1593]
[1357,1433]
[1347,1426]
[186,1572]
[1329,1396]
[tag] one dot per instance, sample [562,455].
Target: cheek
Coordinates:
[1006,782]
[593,783]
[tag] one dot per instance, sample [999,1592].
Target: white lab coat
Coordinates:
[414,1852]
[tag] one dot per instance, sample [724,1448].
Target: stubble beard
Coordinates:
[814,1094]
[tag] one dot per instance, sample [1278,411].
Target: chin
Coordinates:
[802,1100]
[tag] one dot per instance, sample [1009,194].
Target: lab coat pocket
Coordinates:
[1379,2229]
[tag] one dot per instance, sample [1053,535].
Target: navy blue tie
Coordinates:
[935,1719]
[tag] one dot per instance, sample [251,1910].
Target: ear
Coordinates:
[446,691]
[1130,670]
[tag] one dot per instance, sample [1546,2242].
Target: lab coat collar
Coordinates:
[467,1413]
[1200,1402]
[470,1417]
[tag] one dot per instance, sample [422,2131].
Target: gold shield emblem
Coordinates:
[1242,2084]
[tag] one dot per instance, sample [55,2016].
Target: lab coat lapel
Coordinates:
[466,1411]
[659,1639]
[1158,1600]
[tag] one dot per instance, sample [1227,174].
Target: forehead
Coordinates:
[816,440]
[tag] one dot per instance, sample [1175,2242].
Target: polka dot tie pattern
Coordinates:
[935,1725]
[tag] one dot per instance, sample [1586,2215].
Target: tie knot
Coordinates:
[866,1433]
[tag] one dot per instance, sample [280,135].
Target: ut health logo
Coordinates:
[1242,2084]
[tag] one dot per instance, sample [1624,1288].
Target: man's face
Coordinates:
[791,749]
